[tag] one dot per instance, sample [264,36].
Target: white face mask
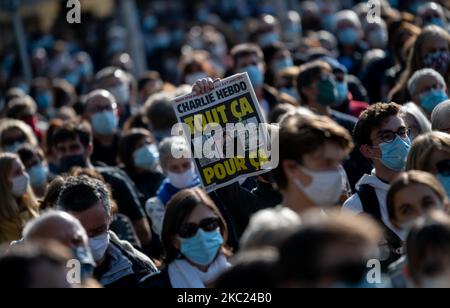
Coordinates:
[20,185]
[326,186]
[99,245]
[182,180]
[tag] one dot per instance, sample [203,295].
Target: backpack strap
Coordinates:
[369,202]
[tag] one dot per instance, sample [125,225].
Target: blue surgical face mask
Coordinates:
[38,175]
[202,248]
[342,90]
[394,154]
[86,69]
[255,74]
[146,157]
[150,22]
[281,64]
[24,87]
[267,39]
[73,78]
[84,256]
[348,36]
[44,100]
[104,123]
[437,22]
[13,147]
[162,40]
[431,99]
[328,22]
[445,181]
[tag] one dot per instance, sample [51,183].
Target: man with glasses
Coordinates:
[119,265]
[382,137]
[100,110]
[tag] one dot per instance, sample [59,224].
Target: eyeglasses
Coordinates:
[389,136]
[189,230]
[443,167]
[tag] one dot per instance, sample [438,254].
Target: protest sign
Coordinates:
[226,131]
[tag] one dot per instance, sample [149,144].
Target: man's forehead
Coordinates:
[69,142]
[426,81]
[100,99]
[393,123]
[94,217]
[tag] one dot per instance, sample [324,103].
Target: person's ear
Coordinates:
[290,168]
[368,152]
[110,218]
[447,207]
[310,92]
[176,243]
[292,171]
[395,223]
[90,149]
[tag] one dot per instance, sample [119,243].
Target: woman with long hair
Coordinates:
[18,204]
[431,49]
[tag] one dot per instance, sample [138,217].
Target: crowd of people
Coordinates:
[358,101]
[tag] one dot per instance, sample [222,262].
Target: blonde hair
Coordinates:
[7,124]
[9,207]
[423,147]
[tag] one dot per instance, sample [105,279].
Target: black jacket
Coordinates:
[241,203]
[124,266]
[160,280]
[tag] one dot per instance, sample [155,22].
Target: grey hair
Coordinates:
[269,228]
[169,146]
[32,226]
[111,71]
[440,116]
[411,109]
[412,82]
[431,5]
[99,92]
[348,15]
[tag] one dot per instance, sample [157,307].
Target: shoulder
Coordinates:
[158,280]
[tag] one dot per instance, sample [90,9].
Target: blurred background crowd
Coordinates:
[360,90]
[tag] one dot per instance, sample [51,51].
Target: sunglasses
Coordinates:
[189,230]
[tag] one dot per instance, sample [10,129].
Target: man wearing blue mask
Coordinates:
[432,13]
[382,137]
[118,264]
[117,82]
[428,89]
[72,144]
[100,110]
[249,58]
[349,31]
[319,91]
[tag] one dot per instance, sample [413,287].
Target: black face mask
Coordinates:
[68,162]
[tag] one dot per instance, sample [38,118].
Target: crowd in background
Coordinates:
[361,104]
